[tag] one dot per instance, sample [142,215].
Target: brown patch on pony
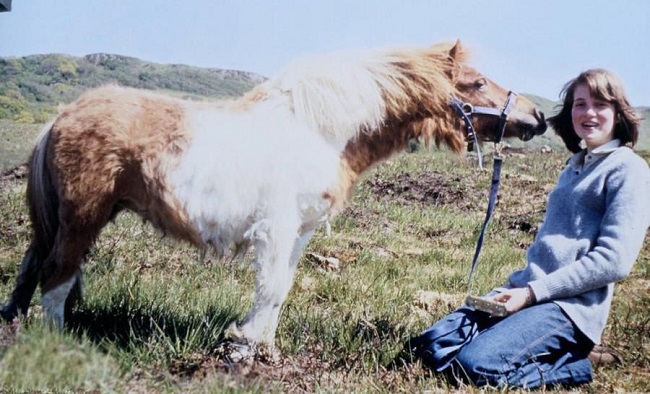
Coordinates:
[439,130]
[124,131]
[418,109]
[131,139]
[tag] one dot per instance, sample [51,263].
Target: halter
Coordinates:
[465,111]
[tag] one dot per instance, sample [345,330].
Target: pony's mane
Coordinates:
[344,93]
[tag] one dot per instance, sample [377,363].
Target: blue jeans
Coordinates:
[537,346]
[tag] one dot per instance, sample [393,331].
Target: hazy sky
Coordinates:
[530,46]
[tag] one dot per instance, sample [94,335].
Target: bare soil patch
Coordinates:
[427,188]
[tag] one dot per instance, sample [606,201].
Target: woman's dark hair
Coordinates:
[603,85]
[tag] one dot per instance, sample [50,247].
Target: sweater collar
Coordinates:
[583,160]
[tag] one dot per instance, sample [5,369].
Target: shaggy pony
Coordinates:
[264,170]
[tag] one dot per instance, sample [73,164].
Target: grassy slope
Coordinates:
[16,141]
[154,310]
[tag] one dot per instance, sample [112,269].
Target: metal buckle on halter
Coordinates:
[466,110]
[470,135]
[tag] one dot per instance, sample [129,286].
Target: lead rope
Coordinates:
[494,187]
[494,190]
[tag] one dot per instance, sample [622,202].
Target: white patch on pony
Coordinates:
[243,167]
[339,94]
[54,302]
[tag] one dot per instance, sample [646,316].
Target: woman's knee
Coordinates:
[440,342]
[479,363]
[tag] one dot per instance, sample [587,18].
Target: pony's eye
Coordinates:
[480,83]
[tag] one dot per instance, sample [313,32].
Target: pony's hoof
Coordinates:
[236,352]
[239,349]
[8,312]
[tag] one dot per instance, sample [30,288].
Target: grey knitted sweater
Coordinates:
[595,224]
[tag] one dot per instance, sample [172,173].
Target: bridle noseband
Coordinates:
[465,111]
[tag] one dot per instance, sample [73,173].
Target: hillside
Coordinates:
[32,86]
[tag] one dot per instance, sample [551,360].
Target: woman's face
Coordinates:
[593,119]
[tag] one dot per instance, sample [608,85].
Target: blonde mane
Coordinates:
[343,93]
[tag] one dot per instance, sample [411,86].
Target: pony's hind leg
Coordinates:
[53,301]
[62,270]
[26,283]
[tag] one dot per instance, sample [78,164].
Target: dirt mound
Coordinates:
[428,188]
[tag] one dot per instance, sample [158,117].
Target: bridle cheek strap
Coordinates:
[466,111]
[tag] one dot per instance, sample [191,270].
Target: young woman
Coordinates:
[595,224]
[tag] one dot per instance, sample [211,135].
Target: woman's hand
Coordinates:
[515,299]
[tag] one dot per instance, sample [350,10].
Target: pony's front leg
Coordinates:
[276,260]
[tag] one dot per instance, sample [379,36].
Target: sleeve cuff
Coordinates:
[541,292]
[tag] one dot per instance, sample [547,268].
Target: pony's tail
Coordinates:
[42,197]
[43,203]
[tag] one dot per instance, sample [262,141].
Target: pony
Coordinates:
[262,171]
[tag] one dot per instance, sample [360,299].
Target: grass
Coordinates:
[16,142]
[154,310]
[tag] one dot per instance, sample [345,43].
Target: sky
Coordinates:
[529,46]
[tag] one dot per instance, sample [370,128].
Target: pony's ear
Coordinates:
[456,51]
[455,57]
